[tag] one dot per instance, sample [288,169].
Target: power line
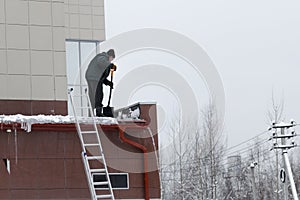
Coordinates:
[256,136]
[223,152]
[249,146]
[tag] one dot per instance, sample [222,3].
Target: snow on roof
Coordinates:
[27,121]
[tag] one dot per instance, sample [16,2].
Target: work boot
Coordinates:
[99,112]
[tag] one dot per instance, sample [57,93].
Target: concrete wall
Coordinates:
[32,47]
[84,19]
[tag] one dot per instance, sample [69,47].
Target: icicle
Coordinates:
[155,152]
[28,126]
[7,164]
[16,145]
[154,146]
[23,125]
[1,123]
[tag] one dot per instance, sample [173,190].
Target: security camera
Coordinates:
[253,164]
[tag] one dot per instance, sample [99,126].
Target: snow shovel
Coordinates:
[109,111]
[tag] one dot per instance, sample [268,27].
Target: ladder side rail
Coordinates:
[101,149]
[76,119]
[92,192]
[89,176]
[89,105]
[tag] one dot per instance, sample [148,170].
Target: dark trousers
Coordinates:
[92,86]
[99,95]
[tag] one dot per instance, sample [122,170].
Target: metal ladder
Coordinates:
[92,152]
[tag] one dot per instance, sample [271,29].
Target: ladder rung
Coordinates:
[81,123]
[102,188]
[94,157]
[82,107]
[104,196]
[88,132]
[97,170]
[91,145]
[100,183]
[78,95]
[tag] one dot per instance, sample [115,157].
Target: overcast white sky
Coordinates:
[255,46]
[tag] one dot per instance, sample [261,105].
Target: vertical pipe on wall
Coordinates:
[144,149]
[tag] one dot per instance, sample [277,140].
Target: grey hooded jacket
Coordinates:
[97,67]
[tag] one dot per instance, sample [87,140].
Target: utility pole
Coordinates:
[285,127]
[277,177]
[285,184]
[252,166]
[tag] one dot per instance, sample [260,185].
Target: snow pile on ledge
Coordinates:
[27,121]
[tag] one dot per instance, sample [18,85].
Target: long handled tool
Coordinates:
[109,111]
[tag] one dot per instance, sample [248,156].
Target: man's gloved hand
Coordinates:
[110,84]
[114,67]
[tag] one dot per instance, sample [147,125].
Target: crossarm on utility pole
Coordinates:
[283,127]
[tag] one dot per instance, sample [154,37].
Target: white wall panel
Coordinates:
[2,12]
[3,64]
[60,63]
[18,87]
[85,21]
[60,88]
[3,88]
[16,12]
[41,38]
[40,13]
[59,38]
[2,36]
[41,63]
[87,16]
[17,37]
[42,87]
[18,62]
[58,14]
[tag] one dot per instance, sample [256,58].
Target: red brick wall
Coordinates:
[47,164]
[33,107]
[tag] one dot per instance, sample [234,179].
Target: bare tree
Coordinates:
[196,172]
[275,115]
[213,140]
